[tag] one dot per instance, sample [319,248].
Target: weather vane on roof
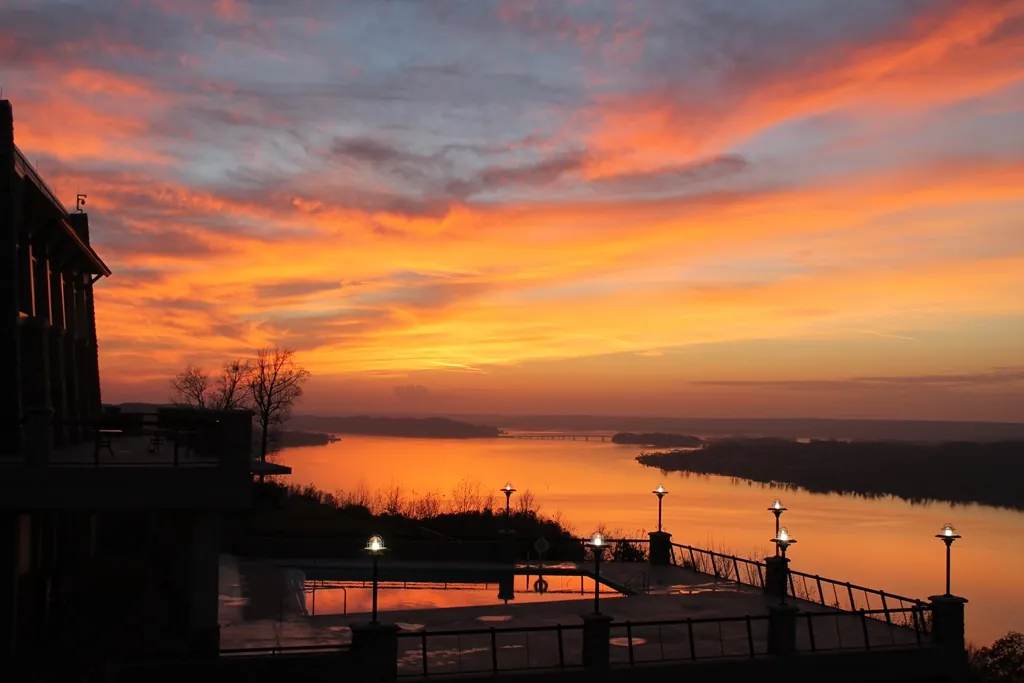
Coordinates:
[79,202]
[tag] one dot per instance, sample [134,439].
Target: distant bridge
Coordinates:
[548,436]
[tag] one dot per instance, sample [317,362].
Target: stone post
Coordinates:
[948,622]
[776,576]
[782,630]
[597,630]
[661,548]
[375,651]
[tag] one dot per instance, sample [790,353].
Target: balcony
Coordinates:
[173,459]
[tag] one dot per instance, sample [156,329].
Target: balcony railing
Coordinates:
[176,438]
[841,595]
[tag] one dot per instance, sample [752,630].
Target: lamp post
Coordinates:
[777,510]
[782,541]
[660,492]
[948,535]
[375,548]
[597,546]
[508,491]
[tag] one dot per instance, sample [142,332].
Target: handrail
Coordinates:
[283,649]
[725,566]
[481,631]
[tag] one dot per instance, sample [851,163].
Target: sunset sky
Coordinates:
[663,207]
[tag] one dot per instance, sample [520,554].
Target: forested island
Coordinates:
[419,427]
[956,472]
[658,440]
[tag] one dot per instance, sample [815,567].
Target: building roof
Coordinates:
[23,167]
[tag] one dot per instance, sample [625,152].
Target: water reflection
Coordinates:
[883,543]
[351,597]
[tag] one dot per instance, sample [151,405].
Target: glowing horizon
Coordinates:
[605,206]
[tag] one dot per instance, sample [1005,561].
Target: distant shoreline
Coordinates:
[955,472]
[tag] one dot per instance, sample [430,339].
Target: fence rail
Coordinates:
[876,604]
[276,650]
[438,653]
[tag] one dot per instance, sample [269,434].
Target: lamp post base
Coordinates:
[661,548]
[782,630]
[597,629]
[375,651]
[776,576]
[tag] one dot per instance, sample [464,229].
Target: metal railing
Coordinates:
[276,650]
[494,650]
[729,567]
[639,642]
[849,597]
[443,653]
[863,629]
[840,595]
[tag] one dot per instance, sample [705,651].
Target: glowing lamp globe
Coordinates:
[597,539]
[784,536]
[660,491]
[948,532]
[507,488]
[776,504]
[375,545]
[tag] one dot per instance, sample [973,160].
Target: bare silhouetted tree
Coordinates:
[231,387]
[274,383]
[191,386]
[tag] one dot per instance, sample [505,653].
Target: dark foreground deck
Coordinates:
[681,615]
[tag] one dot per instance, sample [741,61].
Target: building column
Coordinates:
[93,365]
[35,389]
[204,586]
[58,388]
[74,408]
[10,273]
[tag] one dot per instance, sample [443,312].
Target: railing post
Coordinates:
[596,646]
[948,624]
[776,569]
[375,651]
[660,548]
[494,650]
[864,626]
[782,630]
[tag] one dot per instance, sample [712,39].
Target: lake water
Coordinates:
[882,543]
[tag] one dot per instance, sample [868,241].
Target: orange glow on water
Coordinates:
[883,543]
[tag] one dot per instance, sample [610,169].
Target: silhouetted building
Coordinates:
[49,327]
[110,525]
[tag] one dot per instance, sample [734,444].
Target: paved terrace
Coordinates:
[252,616]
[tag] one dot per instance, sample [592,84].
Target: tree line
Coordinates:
[268,384]
[957,472]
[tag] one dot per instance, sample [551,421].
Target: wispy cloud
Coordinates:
[524,185]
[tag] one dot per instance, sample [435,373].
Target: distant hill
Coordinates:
[933,431]
[426,427]
[659,440]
